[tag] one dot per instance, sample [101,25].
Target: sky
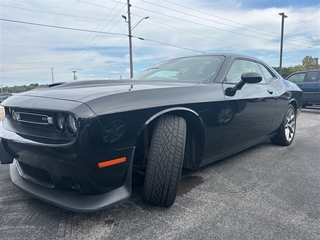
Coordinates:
[50,41]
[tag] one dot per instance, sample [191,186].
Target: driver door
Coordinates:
[253,107]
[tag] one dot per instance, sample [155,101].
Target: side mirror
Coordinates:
[251,77]
[247,77]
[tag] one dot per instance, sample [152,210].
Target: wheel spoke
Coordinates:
[290,125]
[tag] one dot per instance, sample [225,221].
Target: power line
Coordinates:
[94,57]
[95,4]
[86,30]
[148,10]
[200,24]
[61,14]
[94,36]
[171,45]
[219,17]
[59,27]
[65,9]
[90,47]
[203,18]
[194,34]
[183,6]
[233,32]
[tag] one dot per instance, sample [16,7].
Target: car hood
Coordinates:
[105,97]
[85,91]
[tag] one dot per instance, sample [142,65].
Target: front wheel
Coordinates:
[165,161]
[287,129]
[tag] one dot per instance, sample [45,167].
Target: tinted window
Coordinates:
[312,77]
[185,69]
[297,78]
[241,66]
[266,73]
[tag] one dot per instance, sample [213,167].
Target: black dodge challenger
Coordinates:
[78,144]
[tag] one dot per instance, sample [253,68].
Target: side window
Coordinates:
[240,66]
[312,77]
[297,78]
[267,75]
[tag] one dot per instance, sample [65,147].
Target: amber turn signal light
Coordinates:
[112,162]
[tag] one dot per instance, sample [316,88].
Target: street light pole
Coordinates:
[283,16]
[52,75]
[74,75]
[128,20]
[130,38]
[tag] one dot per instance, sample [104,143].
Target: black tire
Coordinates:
[165,161]
[287,129]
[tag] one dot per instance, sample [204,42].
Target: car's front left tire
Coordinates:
[165,161]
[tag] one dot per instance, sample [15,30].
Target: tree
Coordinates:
[310,62]
[18,89]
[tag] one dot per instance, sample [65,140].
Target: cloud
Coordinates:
[115,72]
[110,61]
[316,39]
[174,29]
[127,71]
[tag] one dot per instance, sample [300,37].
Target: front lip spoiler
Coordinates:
[74,201]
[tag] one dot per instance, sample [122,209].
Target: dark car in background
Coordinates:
[4,96]
[309,82]
[78,144]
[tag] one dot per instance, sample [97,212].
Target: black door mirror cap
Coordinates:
[247,77]
[251,77]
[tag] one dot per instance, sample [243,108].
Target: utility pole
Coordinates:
[52,75]
[130,39]
[128,20]
[281,44]
[74,75]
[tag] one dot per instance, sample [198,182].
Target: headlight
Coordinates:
[72,125]
[59,121]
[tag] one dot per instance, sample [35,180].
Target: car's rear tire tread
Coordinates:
[165,161]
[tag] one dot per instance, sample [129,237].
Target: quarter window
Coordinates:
[241,66]
[267,76]
[312,77]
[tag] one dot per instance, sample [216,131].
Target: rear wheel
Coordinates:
[287,129]
[165,161]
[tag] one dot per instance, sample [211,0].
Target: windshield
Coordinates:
[199,68]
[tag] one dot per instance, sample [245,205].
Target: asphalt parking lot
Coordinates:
[265,192]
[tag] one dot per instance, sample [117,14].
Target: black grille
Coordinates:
[35,173]
[42,119]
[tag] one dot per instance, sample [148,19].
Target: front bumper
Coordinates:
[68,165]
[72,200]
[5,157]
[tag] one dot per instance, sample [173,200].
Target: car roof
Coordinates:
[227,55]
[310,70]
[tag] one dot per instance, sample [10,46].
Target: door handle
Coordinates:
[270,91]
